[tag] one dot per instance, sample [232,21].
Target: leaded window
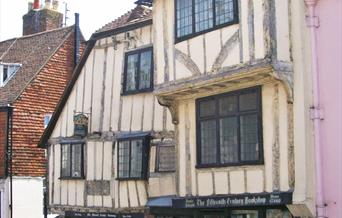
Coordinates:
[72,161]
[198,16]
[229,128]
[138,76]
[133,158]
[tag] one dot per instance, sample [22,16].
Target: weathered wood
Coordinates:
[187,62]
[228,46]
[100,187]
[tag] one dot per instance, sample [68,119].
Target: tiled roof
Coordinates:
[136,15]
[32,51]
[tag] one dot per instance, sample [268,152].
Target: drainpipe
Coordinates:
[316,113]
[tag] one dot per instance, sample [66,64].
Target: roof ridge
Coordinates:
[45,32]
[9,47]
[126,18]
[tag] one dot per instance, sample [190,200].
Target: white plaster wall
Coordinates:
[27,197]
[4,197]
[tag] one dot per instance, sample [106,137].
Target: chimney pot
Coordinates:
[30,6]
[36,4]
[47,4]
[55,5]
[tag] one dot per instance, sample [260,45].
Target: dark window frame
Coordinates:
[215,27]
[137,90]
[71,177]
[260,161]
[145,158]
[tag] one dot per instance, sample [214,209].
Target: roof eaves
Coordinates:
[122,29]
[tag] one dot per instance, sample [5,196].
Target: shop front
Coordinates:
[263,205]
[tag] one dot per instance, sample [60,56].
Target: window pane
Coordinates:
[229,140]
[66,161]
[245,214]
[136,158]
[132,70]
[227,105]
[124,159]
[184,17]
[203,15]
[248,101]
[224,10]
[249,137]
[76,168]
[208,142]
[5,73]
[145,69]
[207,108]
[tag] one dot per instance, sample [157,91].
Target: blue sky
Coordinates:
[93,14]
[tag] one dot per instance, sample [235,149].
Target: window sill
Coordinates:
[244,164]
[131,179]
[72,178]
[136,92]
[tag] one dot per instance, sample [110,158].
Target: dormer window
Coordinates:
[7,70]
[194,17]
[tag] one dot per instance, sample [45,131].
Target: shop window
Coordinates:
[7,71]
[138,75]
[133,158]
[194,17]
[72,161]
[229,129]
[244,214]
[166,158]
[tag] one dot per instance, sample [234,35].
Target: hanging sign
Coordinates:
[80,125]
[262,199]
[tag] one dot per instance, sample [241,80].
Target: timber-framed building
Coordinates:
[190,108]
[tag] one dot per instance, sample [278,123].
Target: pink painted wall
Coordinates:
[329,42]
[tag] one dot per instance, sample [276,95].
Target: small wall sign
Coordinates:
[80,125]
[262,199]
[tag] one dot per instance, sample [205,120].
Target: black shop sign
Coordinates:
[244,200]
[72,214]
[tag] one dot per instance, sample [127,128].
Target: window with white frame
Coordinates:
[7,70]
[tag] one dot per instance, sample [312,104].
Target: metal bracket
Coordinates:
[316,113]
[312,21]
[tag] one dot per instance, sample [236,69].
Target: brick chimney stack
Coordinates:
[40,20]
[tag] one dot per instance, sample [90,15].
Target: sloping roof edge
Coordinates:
[72,28]
[77,71]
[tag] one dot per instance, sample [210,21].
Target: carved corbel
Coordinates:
[172,105]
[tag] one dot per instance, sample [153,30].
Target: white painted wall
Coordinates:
[27,197]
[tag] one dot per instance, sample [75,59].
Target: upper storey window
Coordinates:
[194,17]
[138,75]
[7,71]
[229,129]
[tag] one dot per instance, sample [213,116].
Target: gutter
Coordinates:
[316,111]
[9,151]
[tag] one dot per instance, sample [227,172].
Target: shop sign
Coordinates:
[262,199]
[80,125]
[72,214]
